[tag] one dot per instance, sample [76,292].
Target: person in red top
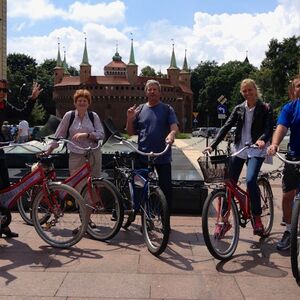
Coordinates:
[7,111]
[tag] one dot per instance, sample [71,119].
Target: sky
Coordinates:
[206,30]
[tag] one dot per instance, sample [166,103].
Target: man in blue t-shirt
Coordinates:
[155,123]
[289,118]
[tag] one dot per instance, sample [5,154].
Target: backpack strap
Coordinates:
[72,117]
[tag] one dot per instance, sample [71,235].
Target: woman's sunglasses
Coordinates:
[4,90]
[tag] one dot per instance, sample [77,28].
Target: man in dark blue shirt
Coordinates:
[155,123]
[289,118]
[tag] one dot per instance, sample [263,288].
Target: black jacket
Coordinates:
[262,124]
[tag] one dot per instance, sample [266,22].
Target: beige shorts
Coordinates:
[77,160]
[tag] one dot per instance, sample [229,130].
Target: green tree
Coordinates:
[45,77]
[21,72]
[148,72]
[282,59]
[38,114]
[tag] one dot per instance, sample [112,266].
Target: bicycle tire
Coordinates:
[68,215]
[222,241]
[155,221]
[106,215]
[24,205]
[295,237]
[122,184]
[267,204]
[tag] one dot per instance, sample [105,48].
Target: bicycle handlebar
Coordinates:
[12,145]
[149,154]
[59,139]
[287,161]
[253,146]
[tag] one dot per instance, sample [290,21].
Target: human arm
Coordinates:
[231,121]
[278,135]
[131,115]
[171,136]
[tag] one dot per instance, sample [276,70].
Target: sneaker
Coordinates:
[258,227]
[221,229]
[285,242]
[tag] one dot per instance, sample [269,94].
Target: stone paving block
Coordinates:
[37,284]
[110,263]
[124,286]
[176,264]
[193,287]
[254,287]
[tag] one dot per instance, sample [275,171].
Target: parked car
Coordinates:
[284,145]
[205,132]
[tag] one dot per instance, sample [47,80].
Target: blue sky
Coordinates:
[219,30]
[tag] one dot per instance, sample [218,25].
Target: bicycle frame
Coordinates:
[10,195]
[241,196]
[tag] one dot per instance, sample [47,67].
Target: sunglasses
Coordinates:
[4,90]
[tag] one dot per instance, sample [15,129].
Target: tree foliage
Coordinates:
[148,72]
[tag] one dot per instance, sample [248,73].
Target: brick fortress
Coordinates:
[120,87]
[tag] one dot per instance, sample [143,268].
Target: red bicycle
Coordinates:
[66,209]
[102,197]
[227,207]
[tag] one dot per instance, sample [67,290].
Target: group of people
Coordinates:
[156,124]
[19,134]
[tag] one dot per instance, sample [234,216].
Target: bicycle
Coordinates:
[59,219]
[100,194]
[141,193]
[227,207]
[295,228]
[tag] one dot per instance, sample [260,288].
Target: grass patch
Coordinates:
[182,135]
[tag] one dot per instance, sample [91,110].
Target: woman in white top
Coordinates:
[84,131]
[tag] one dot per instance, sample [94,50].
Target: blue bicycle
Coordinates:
[140,193]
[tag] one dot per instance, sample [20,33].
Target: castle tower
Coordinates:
[3,36]
[58,70]
[132,67]
[173,71]
[85,67]
[65,65]
[185,75]
[116,67]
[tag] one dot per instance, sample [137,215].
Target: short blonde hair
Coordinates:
[249,81]
[82,93]
[152,82]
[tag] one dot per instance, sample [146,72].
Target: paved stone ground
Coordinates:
[124,269]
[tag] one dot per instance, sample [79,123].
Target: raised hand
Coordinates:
[36,90]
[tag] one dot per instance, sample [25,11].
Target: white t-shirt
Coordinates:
[24,126]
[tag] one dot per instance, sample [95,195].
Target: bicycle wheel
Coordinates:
[220,225]
[25,205]
[68,217]
[156,221]
[122,185]
[267,206]
[106,209]
[295,240]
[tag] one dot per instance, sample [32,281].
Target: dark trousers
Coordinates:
[4,177]
[164,172]
[253,168]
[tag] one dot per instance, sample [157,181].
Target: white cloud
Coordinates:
[33,9]
[111,13]
[220,37]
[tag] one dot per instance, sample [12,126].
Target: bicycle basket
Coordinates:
[214,168]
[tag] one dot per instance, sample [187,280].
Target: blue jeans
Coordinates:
[253,167]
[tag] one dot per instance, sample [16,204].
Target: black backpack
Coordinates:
[91,116]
